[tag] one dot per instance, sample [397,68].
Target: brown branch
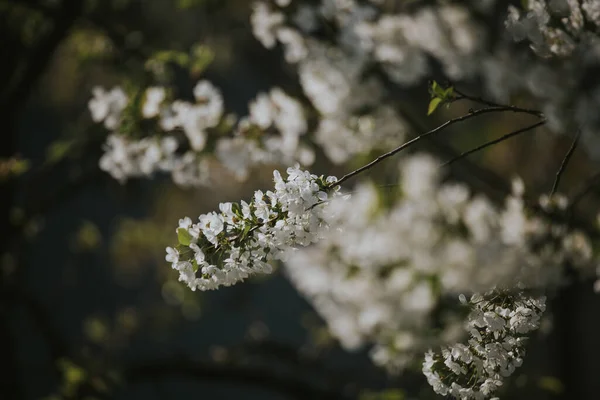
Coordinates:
[482,101]
[398,149]
[564,163]
[493,142]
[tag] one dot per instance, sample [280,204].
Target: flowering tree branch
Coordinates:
[471,114]
[380,266]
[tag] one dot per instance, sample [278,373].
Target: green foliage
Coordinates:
[184,237]
[88,237]
[201,57]
[89,45]
[177,57]
[439,95]
[13,167]
[58,150]
[433,105]
[195,61]
[96,330]
[73,376]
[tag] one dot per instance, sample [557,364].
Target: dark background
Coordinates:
[89,309]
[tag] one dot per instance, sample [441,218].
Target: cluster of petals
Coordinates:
[275,119]
[240,240]
[380,274]
[498,326]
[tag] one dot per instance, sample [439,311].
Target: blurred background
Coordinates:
[89,308]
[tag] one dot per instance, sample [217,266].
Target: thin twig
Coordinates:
[565,162]
[492,142]
[488,103]
[398,149]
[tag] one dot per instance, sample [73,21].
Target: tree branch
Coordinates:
[488,103]
[565,162]
[471,114]
[493,142]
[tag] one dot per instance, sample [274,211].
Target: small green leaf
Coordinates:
[184,237]
[59,150]
[201,58]
[437,90]
[20,166]
[170,56]
[449,92]
[433,104]
[195,265]
[246,231]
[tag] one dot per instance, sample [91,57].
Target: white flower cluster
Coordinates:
[332,82]
[405,43]
[126,157]
[498,324]
[107,106]
[193,118]
[242,239]
[270,134]
[383,274]
[123,158]
[555,27]
[269,28]
[402,43]
[379,276]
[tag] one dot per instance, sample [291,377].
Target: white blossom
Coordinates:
[242,240]
[153,98]
[107,106]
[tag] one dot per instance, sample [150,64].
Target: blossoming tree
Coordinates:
[428,271]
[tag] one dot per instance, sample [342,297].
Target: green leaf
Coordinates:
[20,166]
[246,231]
[437,90]
[449,92]
[433,104]
[171,56]
[200,59]
[236,209]
[184,237]
[59,150]
[195,265]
